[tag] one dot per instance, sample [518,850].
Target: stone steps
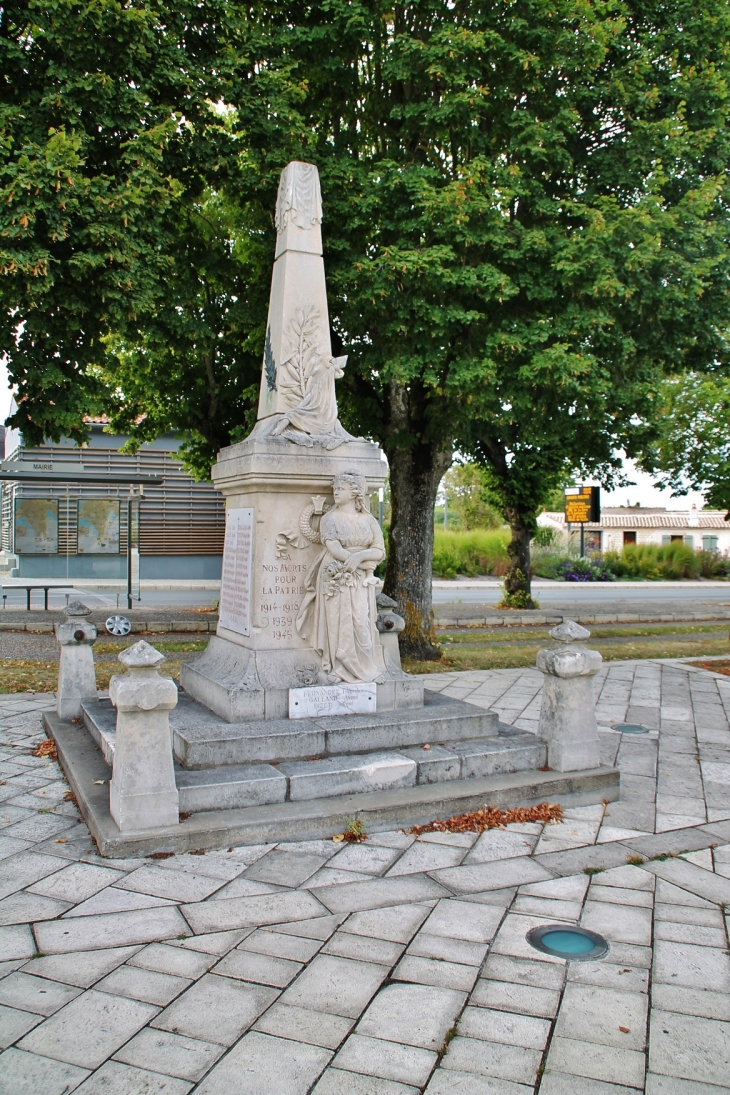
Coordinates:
[202,740]
[232,785]
[312,819]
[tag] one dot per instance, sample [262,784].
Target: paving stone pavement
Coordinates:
[393,967]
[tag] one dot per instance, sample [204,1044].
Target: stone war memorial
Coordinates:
[298,717]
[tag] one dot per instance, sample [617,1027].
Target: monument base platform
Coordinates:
[238,683]
[316,818]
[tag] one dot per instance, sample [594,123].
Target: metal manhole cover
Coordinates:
[566,941]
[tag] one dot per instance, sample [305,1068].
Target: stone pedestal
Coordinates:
[567,714]
[143,793]
[76,677]
[276,493]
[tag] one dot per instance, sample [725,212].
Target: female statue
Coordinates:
[338,612]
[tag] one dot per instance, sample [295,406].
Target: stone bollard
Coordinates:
[142,793]
[567,715]
[389,625]
[76,677]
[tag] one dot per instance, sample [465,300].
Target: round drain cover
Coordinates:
[630,728]
[565,941]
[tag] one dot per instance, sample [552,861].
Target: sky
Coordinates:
[644,490]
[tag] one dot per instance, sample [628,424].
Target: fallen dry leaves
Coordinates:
[491,817]
[714,666]
[46,748]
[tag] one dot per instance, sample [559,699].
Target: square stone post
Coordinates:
[76,677]
[567,714]
[143,793]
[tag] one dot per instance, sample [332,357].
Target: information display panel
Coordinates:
[98,526]
[36,526]
[582,505]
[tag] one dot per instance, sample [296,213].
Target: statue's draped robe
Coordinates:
[338,612]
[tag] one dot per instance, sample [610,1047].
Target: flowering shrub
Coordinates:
[566,569]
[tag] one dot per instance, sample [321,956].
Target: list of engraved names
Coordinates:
[235,603]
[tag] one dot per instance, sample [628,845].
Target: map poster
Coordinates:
[36,526]
[235,605]
[98,526]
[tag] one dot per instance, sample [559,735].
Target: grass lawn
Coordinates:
[42,676]
[517,647]
[463,648]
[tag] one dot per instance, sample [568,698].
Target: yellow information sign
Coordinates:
[582,505]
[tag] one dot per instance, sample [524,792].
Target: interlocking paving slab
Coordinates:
[216,1009]
[492,876]
[496,1059]
[118,1079]
[687,876]
[336,1081]
[304,1025]
[261,1065]
[14,1024]
[416,1015]
[170,1054]
[598,1062]
[385,1059]
[35,994]
[89,1029]
[114,930]
[690,1047]
[222,915]
[16,941]
[28,1074]
[337,985]
[356,896]
[446,1082]
[258,913]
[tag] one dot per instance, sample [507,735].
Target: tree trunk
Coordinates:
[518,580]
[415,475]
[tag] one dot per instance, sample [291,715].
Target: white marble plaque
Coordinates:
[332,699]
[235,604]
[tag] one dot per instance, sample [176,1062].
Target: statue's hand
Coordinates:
[354,561]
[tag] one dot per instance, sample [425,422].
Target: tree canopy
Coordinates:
[692,448]
[526,226]
[102,109]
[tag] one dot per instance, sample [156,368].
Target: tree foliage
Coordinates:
[193,364]
[692,449]
[102,108]
[525,225]
[469,498]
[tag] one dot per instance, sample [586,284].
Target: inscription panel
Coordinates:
[235,603]
[281,592]
[332,699]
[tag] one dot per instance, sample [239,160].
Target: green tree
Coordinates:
[193,363]
[525,223]
[103,108]
[606,200]
[692,449]
[469,498]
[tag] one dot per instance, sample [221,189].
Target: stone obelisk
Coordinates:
[277,595]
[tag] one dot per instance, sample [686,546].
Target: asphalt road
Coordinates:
[610,596]
[607,595]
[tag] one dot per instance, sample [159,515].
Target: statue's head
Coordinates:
[358,491]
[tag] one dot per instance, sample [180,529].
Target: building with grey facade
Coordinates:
[80,530]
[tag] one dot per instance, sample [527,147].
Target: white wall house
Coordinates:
[700,529]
